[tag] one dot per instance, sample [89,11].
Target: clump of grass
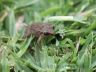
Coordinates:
[71,49]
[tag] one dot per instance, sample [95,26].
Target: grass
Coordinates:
[71,49]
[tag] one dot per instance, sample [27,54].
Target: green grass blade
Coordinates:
[24,3]
[10,23]
[24,47]
[5,62]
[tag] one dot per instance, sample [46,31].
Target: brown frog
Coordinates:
[39,29]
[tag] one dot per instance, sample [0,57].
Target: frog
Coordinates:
[39,29]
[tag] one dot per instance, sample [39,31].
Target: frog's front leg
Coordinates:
[40,38]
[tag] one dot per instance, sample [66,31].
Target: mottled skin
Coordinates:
[39,29]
